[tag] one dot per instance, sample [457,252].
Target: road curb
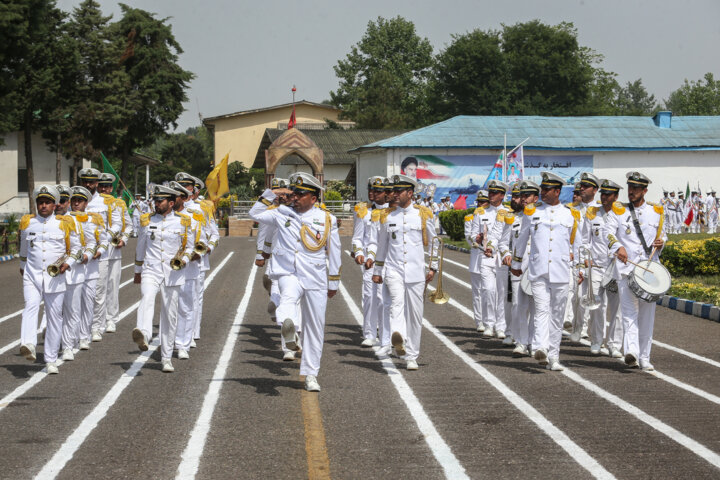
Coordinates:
[697,309]
[459,249]
[7,258]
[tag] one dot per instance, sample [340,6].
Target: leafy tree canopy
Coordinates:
[701,97]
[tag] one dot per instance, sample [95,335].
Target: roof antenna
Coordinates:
[197,102]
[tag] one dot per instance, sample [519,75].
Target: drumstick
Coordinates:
[637,265]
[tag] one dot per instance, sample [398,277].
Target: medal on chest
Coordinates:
[152,236]
[597,232]
[627,230]
[32,243]
[287,224]
[394,236]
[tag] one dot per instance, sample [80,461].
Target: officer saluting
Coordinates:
[551,227]
[45,240]
[306,263]
[634,232]
[164,238]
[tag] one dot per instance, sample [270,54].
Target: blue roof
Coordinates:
[564,133]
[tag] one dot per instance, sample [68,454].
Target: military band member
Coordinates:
[482,201]
[371,293]
[45,239]
[672,213]
[306,263]
[552,228]
[106,206]
[492,291]
[711,211]
[188,292]
[596,244]
[164,239]
[403,233]
[635,232]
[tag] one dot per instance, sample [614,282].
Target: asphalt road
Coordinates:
[236,410]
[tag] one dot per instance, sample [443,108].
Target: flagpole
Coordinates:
[518,146]
[504,162]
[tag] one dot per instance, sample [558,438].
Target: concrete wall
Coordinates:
[8,168]
[241,135]
[369,164]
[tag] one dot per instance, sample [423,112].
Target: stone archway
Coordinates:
[294,142]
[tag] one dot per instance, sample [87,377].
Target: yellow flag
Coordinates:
[217,181]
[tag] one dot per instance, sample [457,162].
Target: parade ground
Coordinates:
[235,409]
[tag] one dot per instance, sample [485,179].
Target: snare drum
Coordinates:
[649,285]
[525,285]
[608,281]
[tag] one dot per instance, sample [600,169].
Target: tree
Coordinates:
[550,73]
[470,77]
[153,88]
[633,99]
[383,80]
[696,97]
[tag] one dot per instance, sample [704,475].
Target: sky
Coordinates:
[249,54]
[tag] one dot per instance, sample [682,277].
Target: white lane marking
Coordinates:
[19,312]
[196,445]
[687,442]
[694,356]
[66,451]
[440,449]
[127,266]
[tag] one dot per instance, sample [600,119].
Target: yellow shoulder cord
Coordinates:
[305,233]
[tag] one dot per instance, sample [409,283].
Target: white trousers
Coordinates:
[679,222]
[638,322]
[197,311]
[275,298]
[72,315]
[524,317]
[88,309]
[113,290]
[501,286]
[609,307]
[53,311]
[370,305]
[186,314]
[406,310]
[550,300]
[712,221]
[101,287]
[476,282]
[169,297]
[385,302]
[312,307]
[488,295]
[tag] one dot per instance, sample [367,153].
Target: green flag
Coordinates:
[108,168]
[687,192]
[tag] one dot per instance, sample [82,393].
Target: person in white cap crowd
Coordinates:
[306,263]
[49,246]
[403,233]
[711,209]
[476,254]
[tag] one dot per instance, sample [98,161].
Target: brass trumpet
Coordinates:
[115,238]
[201,248]
[439,296]
[589,301]
[54,268]
[177,262]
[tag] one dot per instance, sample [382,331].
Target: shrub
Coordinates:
[333,196]
[453,222]
[692,257]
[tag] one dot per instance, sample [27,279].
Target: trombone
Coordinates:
[589,301]
[438,296]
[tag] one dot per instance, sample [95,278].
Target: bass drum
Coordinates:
[608,281]
[525,285]
[650,281]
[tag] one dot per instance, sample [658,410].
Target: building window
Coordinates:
[22,180]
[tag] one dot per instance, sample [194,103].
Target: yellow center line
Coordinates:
[315,447]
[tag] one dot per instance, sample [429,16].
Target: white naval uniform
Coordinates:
[160,238]
[187,301]
[95,227]
[43,240]
[593,239]
[115,264]
[212,237]
[382,294]
[402,233]
[711,210]
[76,279]
[112,217]
[303,275]
[574,311]
[474,269]
[552,230]
[485,269]
[371,292]
[638,315]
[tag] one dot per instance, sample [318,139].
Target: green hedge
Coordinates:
[453,222]
[692,257]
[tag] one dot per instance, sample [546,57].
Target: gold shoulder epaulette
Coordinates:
[66,222]
[25,220]
[618,208]
[425,212]
[119,202]
[479,211]
[376,214]
[509,218]
[361,210]
[273,207]
[360,205]
[145,219]
[529,209]
[199,217]
[185,220]
[468,218]
[501,213]
[96,218]
[591,212]
[575,213]
[81,216]
[658,209]
[385,212]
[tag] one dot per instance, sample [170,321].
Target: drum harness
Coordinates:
[638,230]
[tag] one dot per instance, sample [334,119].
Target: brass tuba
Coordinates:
[54,268]
[439,296]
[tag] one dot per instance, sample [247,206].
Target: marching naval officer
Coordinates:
[403,233]
[45,239]
[552,227]
[163,237]
[482,201]
[306,263]
[635,232]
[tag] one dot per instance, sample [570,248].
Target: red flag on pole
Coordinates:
[460,203]
[689,218]
[292,121]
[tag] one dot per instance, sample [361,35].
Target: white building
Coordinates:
[458,154]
